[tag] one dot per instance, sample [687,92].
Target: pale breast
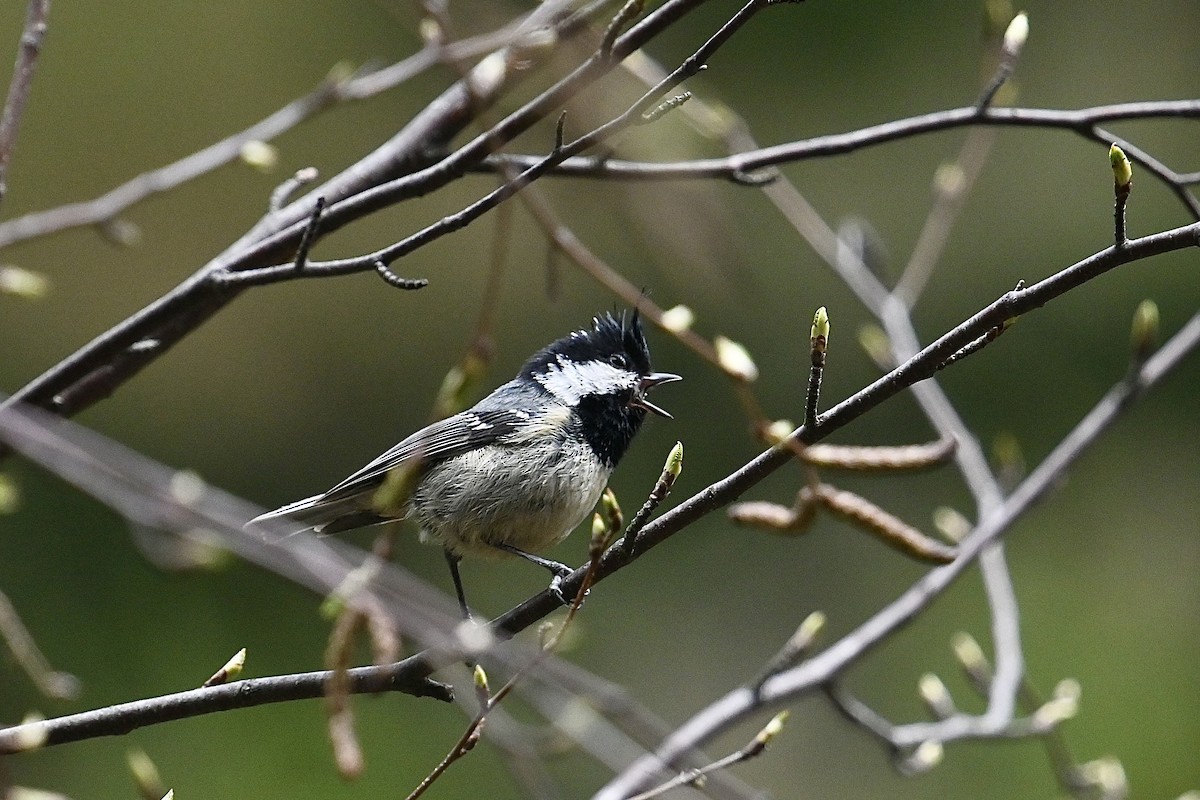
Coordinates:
[526,497]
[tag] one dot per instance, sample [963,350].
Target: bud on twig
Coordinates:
[672,469]
[1122,170]
[771,729]
[936,696]
[735,360]
[1143,335]
[974,662]
[1015,35]
[260,155]
[145,774]
[778,430]
[10,495]
[819,335]
[22,283]
[951,523]
[876,344]
[481,679]
[678,319]
[233,667]
[818,343]
[1122,184]
[927,755]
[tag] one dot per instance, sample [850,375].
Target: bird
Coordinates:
[518,471]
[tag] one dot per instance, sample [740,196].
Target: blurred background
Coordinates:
[294,386]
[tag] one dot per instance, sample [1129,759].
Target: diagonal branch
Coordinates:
[115,356]
[18,88]
[824,667]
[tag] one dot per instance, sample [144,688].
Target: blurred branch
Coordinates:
[18,88]
[51,683]
[181,505]
[336,88]
[455,222]
[819,670]
[115,356]
[112,203]
[411,671]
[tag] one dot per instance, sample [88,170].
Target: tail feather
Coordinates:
[321,515]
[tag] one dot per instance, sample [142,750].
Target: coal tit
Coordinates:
[519,470]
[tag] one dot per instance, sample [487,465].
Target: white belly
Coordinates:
[508,495]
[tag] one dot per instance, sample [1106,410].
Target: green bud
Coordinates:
[877,345]
[599,529]
[260,155]
[771,729]
[10,495]
[949,180]
[145,773]
[480,677]
[951,523]
[928,755]
[612,509]
[969,653]
[1108,775]
[33,735]
[1016,33]
[431,31]
[460,385]
[22,283]
[1143,335]
[935,694]
[735,359]
[233,667]
[678,319]
[1122,171]
[819,336]
[810,628]
[674,464]
[778,430]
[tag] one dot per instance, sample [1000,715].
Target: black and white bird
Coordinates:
[518,471]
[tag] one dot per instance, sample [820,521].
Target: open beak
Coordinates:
[647,383]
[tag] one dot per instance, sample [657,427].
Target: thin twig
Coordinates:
[98,368]
[310,232]
[18,88]
[281,193]
[824,667]
[50,682]
[454,222]
[1084,122]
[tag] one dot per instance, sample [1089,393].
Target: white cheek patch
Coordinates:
[570,382]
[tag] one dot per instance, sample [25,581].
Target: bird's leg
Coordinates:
[557,569]
[452,559]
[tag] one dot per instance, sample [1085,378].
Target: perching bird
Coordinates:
[519,470]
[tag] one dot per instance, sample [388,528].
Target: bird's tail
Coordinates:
[319,514]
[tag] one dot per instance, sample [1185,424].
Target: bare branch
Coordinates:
[824,667]
[1083,122]
[18,88]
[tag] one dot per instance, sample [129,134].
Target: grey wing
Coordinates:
[444,439]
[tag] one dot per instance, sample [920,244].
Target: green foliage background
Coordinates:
[294,386]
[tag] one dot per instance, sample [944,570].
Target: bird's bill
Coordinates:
[647,383]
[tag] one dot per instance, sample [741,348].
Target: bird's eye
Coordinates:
[619,361]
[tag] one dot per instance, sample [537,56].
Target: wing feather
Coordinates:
[444,439]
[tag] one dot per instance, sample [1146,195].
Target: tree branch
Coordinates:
[735,167]
[824,667]
[18,88]
[115,356]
